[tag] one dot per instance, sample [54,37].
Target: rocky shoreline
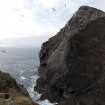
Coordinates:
[72,68]
[12,93]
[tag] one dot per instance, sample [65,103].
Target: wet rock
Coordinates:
[72,63]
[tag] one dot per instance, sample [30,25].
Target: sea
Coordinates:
[22,63]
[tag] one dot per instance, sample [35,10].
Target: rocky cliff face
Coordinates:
[72,63]
[12,93]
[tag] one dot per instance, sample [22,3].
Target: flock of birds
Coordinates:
[18,10]
[66,3]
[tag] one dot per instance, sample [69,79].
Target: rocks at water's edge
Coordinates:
[12,93]
[72,63]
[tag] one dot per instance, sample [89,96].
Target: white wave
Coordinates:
[46,102]
[22,78]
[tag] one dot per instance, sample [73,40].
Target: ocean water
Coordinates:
[22,64]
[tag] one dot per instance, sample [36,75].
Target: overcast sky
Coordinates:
[30,22]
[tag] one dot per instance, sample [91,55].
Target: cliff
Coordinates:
[12,93]
[72,68]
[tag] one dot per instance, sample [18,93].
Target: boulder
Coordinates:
[72,63]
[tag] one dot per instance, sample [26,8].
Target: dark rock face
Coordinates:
[72,63]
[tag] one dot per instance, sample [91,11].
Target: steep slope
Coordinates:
[12,93]
[72,63]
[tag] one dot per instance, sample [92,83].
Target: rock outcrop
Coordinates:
[72,63]
[12,93]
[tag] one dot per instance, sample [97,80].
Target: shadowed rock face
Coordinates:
[72,63]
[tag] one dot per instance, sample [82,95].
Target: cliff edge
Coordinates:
[12,93]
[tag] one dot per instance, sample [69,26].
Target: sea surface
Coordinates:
[22,64]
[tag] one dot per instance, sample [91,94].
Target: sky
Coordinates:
[31,22]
